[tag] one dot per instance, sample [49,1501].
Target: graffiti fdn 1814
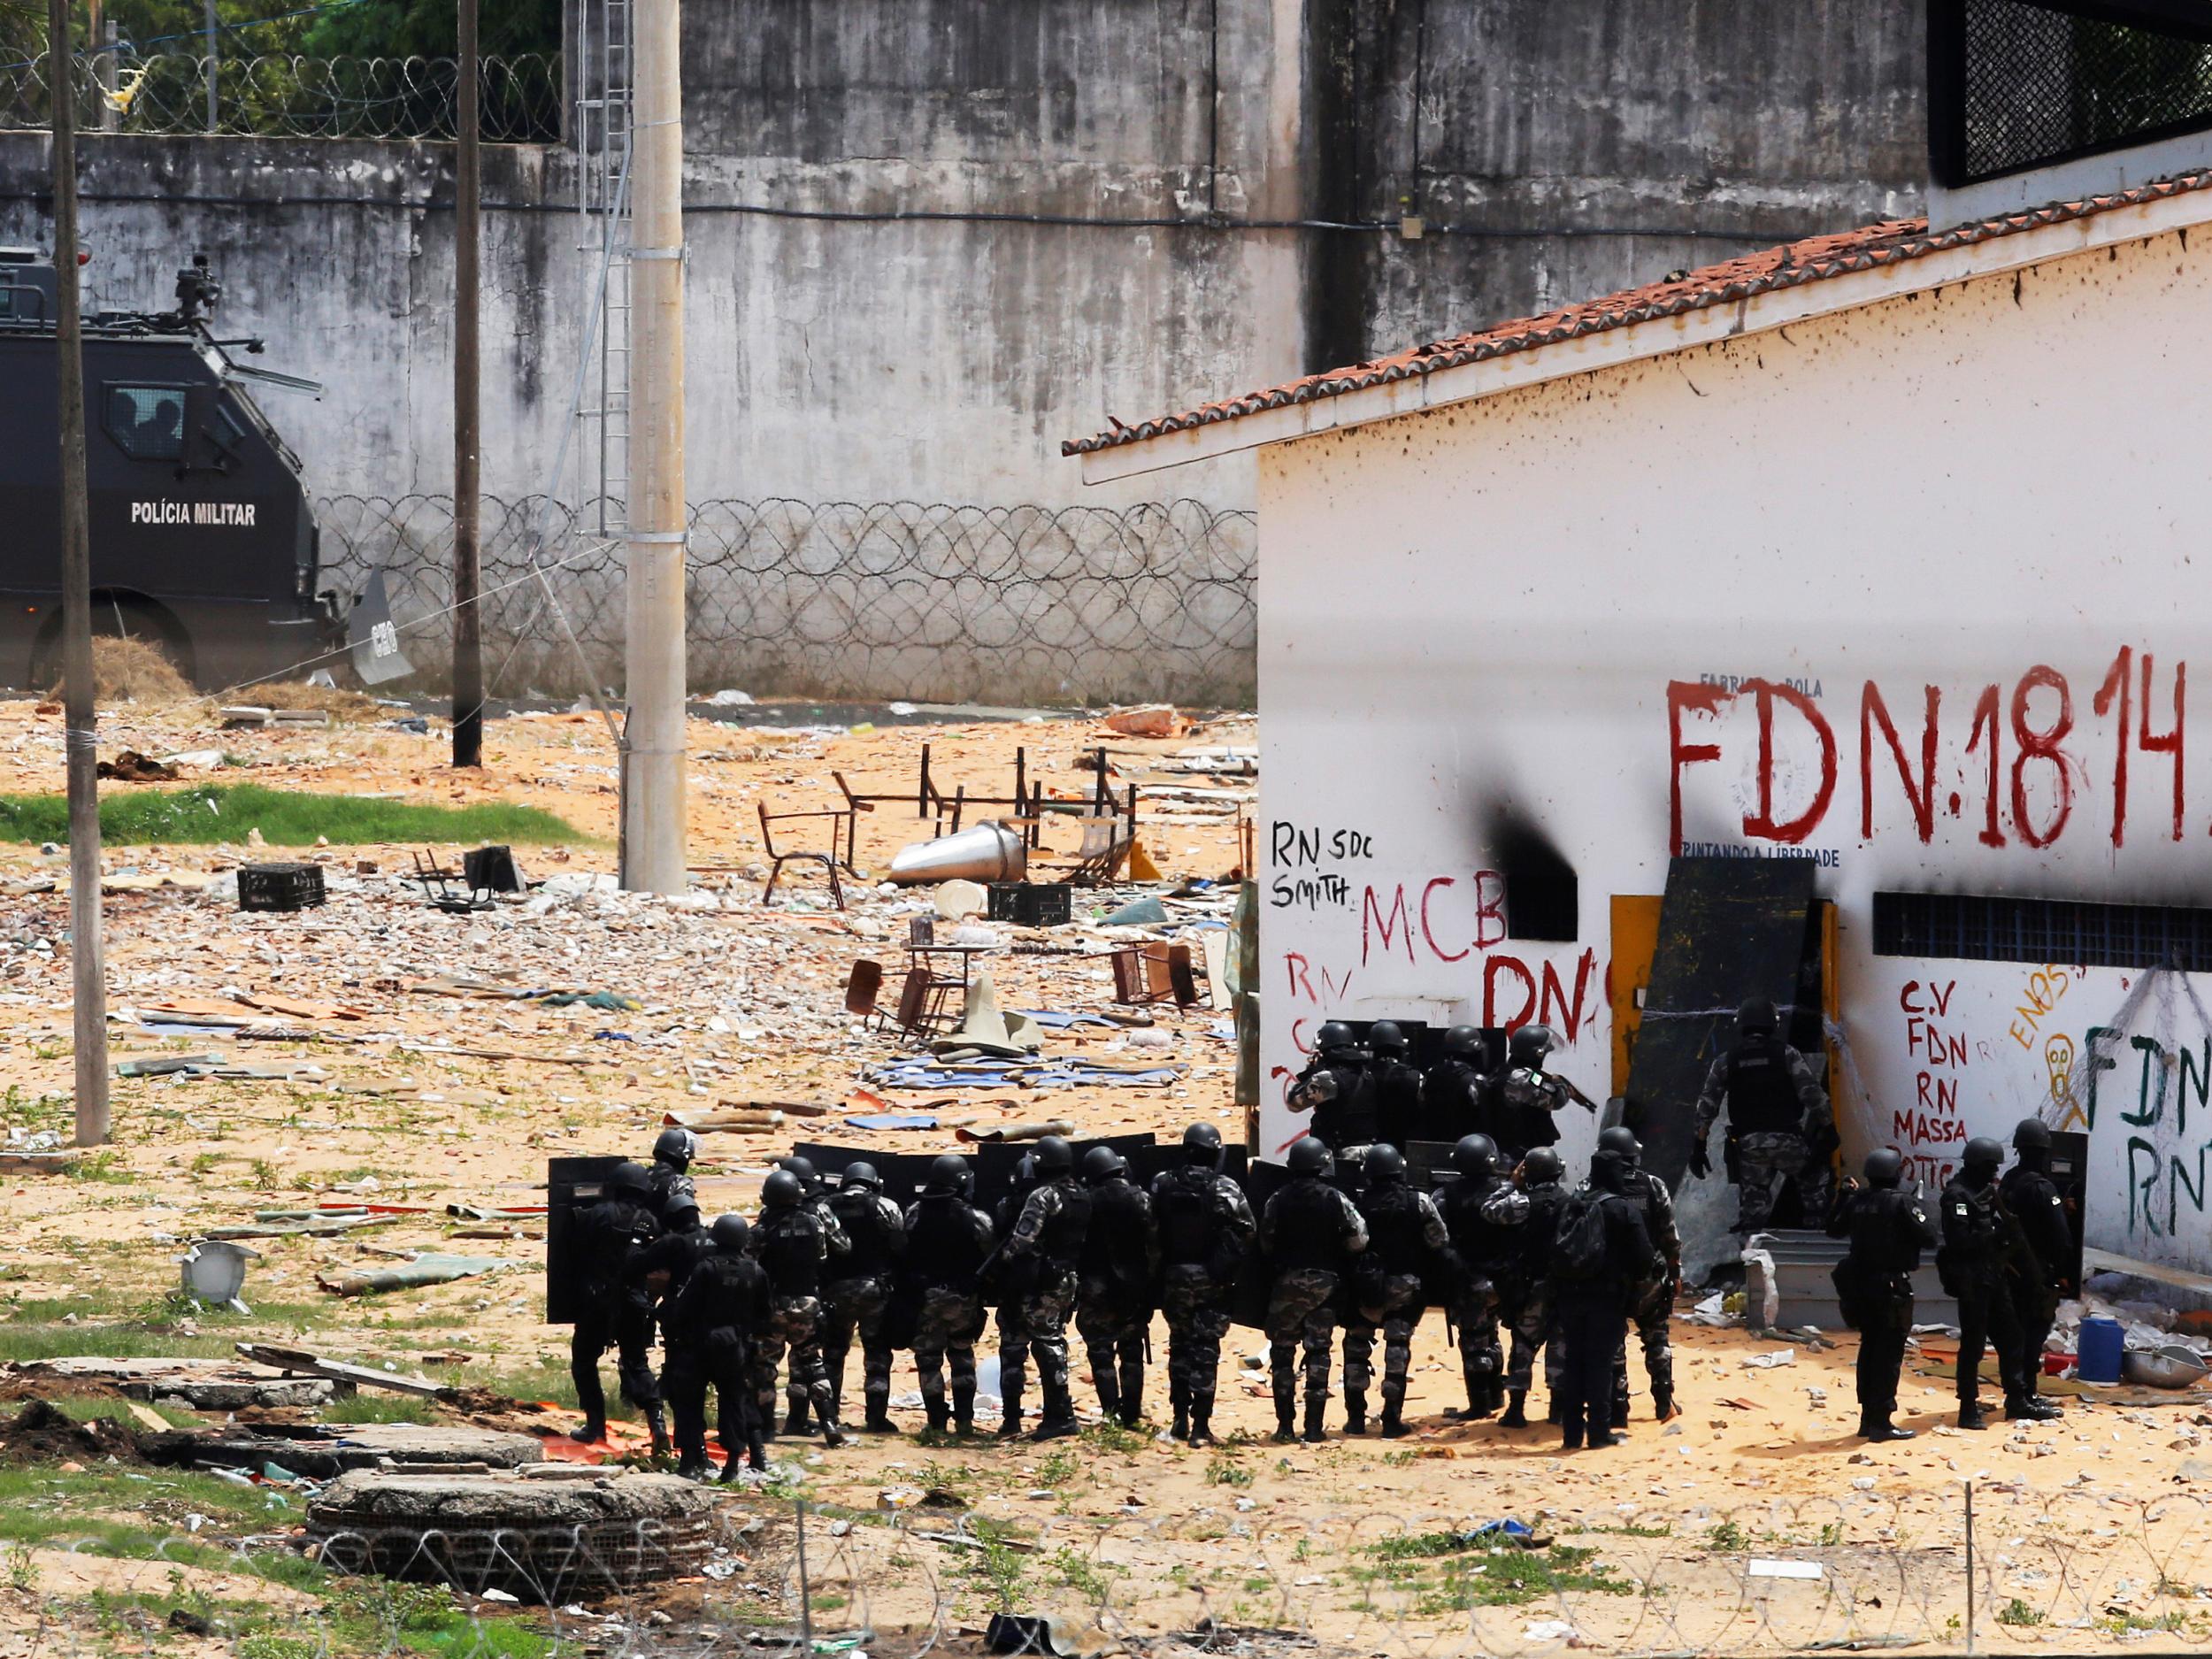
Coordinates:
[237,513]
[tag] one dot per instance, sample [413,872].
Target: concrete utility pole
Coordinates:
[89,980]
[653,732]
[468,631]
[214,72]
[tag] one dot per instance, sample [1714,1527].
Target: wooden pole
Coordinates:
[653,834]
[468,634]
[89,981]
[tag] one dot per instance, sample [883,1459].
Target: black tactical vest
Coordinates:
[861,1215]
[1395,1226]
[941,1245]
[1062,1240]
[1114,1244]
[1308,1226]
[1761,1100]
[1184,1214]
[791,1251]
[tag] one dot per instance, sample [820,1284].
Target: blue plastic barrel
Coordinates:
[2098,1356]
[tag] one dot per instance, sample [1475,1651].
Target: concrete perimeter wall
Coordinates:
[931,238]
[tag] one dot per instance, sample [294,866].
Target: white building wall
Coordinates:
[1985,495]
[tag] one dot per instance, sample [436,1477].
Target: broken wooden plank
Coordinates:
[298,1360]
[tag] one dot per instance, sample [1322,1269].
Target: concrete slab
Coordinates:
[205,1385]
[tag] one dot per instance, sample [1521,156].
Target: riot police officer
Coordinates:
[674,1149]
[1532,1208]
[1005,1283]
[1404,1234]
[1396,1082]
[1601,1264]
[1973,1262]
[1651,1315]
[1485,1252]
[792,1241]
[1204,1228]
[1888,1227]
[617,1310]
[1779,1125]
[859,1293]
[1309,1233]
[2042,1270]
[1045,1248]
[712,1328]
[947,1240]
[1113,1300]
[1520,1105]
[1336,1088]
[1452,1093]
[660,1271]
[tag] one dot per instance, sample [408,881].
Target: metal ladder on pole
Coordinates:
[604,122]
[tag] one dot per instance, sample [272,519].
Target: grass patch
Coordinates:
[2017,1612]
[285,818]
[366,1408]
[1471,1573]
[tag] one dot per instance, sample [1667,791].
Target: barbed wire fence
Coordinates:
[286,96]
[2073,1569]
[886,599]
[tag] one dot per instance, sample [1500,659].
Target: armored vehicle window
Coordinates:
[147,422]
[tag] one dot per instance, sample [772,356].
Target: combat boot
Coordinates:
[832,1435]
[794,1420]
[1355,1412]
[2027,1408]
[1059,1416]
[1664,1407]
[1108,1395]
[1876,1426]
[1515,1416]
[1393,1422]
[964,1408]
[1971,1416]
[1178,1398]
[1285,1415]
[590,1432]
[1317,1412]
[1010,1422]
[694,1468]
[940,1415]
[1202,1412]
[656,1425]
[1131,1408]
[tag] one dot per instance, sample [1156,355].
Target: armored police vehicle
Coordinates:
[204,540]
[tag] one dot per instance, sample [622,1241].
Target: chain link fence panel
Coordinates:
[280,95]
[843,599]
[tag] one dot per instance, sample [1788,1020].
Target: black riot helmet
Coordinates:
[1463,1042]
[1530,1046]
[626,1177]
[1542,1164]
[1333,1035]
[948,1175]
[1383,1037]
[1055,1159]
[1475,1155]
[809,1178]
[1978,1165]
[1385,1165]
[1885,1168]
[782,1190]
[2032,1134]
[1103,1163]
[1309,1156]
[860,1176]
[675,1147]
[1757,1018]
[729,1234]
[1202,1146]
[679,1212]
[1621,1139]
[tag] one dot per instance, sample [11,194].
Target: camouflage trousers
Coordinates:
[1475,1317]
[1035,1324]
[945,1331]
[1300,1313]
[1395,1316]
[1197,1319]
[850,1307]
[794,1323]
[1763,1161]
[1528,1315]
[1113,1342]
[1649,1319]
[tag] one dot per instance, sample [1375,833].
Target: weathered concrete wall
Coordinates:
[947,279]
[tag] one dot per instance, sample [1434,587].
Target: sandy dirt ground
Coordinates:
[2090,1528]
